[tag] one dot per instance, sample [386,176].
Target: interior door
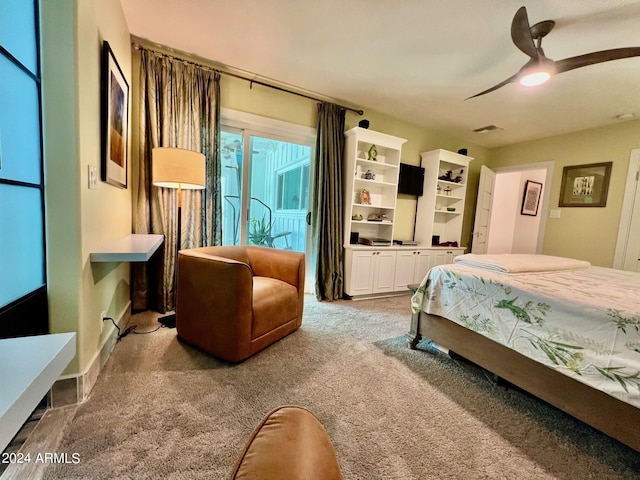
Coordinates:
[483,210]
[632,251]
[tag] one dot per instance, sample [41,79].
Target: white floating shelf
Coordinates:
[137,247]
[30,366]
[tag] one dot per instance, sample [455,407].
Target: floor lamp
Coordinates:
[183,170]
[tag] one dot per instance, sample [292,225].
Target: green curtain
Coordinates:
[178,107]
[327,227]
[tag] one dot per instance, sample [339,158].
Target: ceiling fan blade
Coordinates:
[521,33]
[596,57]
[495,87]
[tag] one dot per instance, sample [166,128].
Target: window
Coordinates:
[23,297]
[293,188]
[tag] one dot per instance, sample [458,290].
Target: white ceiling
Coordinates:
[417,60]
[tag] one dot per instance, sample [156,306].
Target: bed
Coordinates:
[561,329]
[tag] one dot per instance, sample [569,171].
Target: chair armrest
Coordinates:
[284,265]
[214,292]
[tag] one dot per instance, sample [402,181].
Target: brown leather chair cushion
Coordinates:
[273,301]
[289,444]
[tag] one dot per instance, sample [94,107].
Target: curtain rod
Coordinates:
[247,79]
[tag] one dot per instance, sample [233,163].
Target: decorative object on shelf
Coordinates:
[531,198]
[439,190]
[373,153]
[438,206]
[451,209]
[357,217]
[435,239]
[463,151]
[365,199]
[364,123]
[447,176]
[369,175]
[354,237]
[585,185]
[359,172]
[115,120]
[448,244]
[377,217]
[447,191]
[458,179]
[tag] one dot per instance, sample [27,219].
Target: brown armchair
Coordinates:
[233,302]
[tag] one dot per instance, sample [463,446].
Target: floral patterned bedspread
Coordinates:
[585,323]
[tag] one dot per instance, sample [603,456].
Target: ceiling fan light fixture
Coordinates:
[536,72]
[534,78]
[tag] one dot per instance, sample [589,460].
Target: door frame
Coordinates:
[626,216]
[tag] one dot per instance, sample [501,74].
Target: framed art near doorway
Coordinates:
[115,120]
[531,198]
[585,185]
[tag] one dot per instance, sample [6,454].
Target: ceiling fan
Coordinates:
[540,68]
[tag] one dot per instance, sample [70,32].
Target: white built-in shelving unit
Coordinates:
[441,207]
[386,268]
[371,196]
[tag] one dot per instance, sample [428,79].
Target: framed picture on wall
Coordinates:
[115,120]
[585,185]
[531,198]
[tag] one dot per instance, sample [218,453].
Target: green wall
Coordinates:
[587,233]
[80,220]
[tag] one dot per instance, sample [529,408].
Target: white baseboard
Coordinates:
[71,389]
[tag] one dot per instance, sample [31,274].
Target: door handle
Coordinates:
[308,218]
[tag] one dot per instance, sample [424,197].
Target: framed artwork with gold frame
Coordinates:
[585,185]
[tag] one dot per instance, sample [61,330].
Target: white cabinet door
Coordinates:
[454,254]
[362,269]
[384,265]
[422,264]
[405,269]
[438,257]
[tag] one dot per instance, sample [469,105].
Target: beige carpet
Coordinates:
[162,409]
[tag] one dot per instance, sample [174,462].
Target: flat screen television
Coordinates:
[411,180]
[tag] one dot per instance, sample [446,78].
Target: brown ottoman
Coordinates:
[289,444]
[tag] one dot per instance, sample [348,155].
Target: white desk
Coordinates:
[29,366]
[137,247]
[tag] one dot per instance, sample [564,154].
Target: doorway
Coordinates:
[265,181]
[505,228]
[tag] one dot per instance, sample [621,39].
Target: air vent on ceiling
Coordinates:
[488,128]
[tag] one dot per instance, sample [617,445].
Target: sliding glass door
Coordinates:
[265,189]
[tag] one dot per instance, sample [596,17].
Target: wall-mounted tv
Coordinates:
[411,179]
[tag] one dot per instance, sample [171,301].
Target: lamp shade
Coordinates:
[177,168]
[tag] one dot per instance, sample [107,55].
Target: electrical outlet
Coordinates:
[103,314]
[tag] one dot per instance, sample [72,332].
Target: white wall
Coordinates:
[511,232]
[525,235]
